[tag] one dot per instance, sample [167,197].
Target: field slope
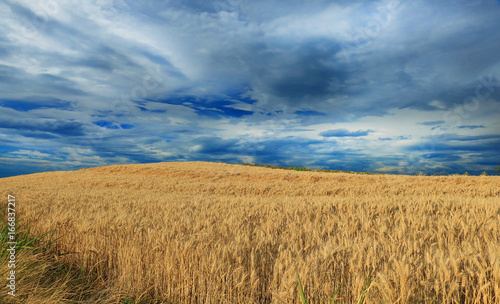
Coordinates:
[198,232]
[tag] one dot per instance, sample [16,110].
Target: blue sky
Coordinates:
[378,86]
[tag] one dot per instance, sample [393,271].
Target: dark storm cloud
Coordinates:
[474,154]
[289,150]
[27,105]
[306,71]
[58,127]
[447,157]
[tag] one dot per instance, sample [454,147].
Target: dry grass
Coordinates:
[40,277]
[200,232]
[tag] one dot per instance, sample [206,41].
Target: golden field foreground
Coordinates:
[198,232]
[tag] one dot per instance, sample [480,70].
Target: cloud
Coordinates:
[345,133]
[447,157]
[104,82]
[394,138]
[472,127]
[214,145]
[432,123]
[57,127]
[456,137]
[27,105]
[307,71]
[310,113]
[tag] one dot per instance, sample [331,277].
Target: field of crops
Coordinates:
[198,232]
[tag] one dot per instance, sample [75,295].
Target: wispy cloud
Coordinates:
[344,133]
[472,127]
[432,123]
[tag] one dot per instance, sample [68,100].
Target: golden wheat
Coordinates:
[198,232]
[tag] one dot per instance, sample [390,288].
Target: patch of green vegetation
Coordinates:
[307,169]
[38,269]
[442,173]
[361,299]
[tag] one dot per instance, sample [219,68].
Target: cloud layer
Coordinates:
[351,85]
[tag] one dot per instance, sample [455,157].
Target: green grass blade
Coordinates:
[334,298]
[367,284]
[434,299]
[302,295]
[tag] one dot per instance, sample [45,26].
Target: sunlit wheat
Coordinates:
[200,232]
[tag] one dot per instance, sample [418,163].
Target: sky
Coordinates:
[401,87]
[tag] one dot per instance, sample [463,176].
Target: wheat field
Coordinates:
[199,232]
